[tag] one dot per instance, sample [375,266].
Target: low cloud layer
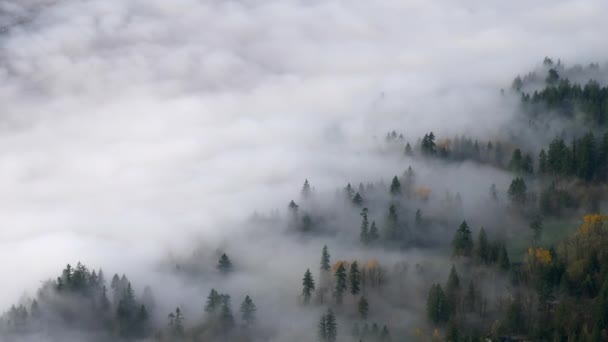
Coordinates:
[129,126]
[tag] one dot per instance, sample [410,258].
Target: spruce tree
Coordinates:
[374,235]
[358,200]
[437,305]
[306,192]
[214,301]
[325,259]
[224,264]
[308,286]
[248,311]
[392,233]
[462,243]
[452,290]
[354,278]
[322,328]
[363,307]
[364,236]
[331,326]
[226,317]
[340,283]
[482,248]
[395,187]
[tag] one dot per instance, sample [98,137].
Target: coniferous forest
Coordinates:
[460,216]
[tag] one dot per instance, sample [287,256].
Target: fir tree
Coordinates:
[354,278]
[483,249]
[325,259]
[452,289]
[437,305]
[462,243]
[374,235]
[364,234]
[248,311]
[308,286]
[340,283]
[358,200]
[331,326]
[226,317]
[363,307]
[224,264]
[395,187]
[408,150]
[214,300]
[306,192]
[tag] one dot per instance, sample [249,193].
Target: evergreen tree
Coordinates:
[306,192]
[224,265]
[248,311]
[178,323]
[395,187]
[483,249]
[308,286]
[517,191]
[408,150]
[332,327]
[437,305]
[363,307]
[357,200]
[214,300]
[364,236]
[503,258]
[462,243]
[226,317]
[141,321]
[322,328]
[354,278]
[374,235]
[340,283]
[325,259]
[470,298]
[392,230]
[452,289]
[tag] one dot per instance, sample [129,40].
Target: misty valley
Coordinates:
[464,239]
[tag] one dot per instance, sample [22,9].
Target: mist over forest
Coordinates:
[303,170]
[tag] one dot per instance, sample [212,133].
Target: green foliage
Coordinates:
[354,278]
[248,311]
[462,244]
[308,286]
[224,264]
[518,191]
[363,307]
[325,259]
[340,288]
[437,306]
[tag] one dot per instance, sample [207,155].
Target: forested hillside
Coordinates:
[467,239]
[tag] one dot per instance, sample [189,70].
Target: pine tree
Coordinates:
[306,192]
[452,289]
[224,265]
[408,150]
[331,326]
[358,200]
[395,187]
[322,328]
[308,286]
[542,162]
[363,307]
[214,301]
[325,259]
[226,318]
[340,283]
[248,311]
[503,258]
[518,191]
[392,230]
[178,323]
[141,321]
[470,298]
[374,235]
[437,305]
[462,243]
[354,278]
[364,234]
[482,249]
